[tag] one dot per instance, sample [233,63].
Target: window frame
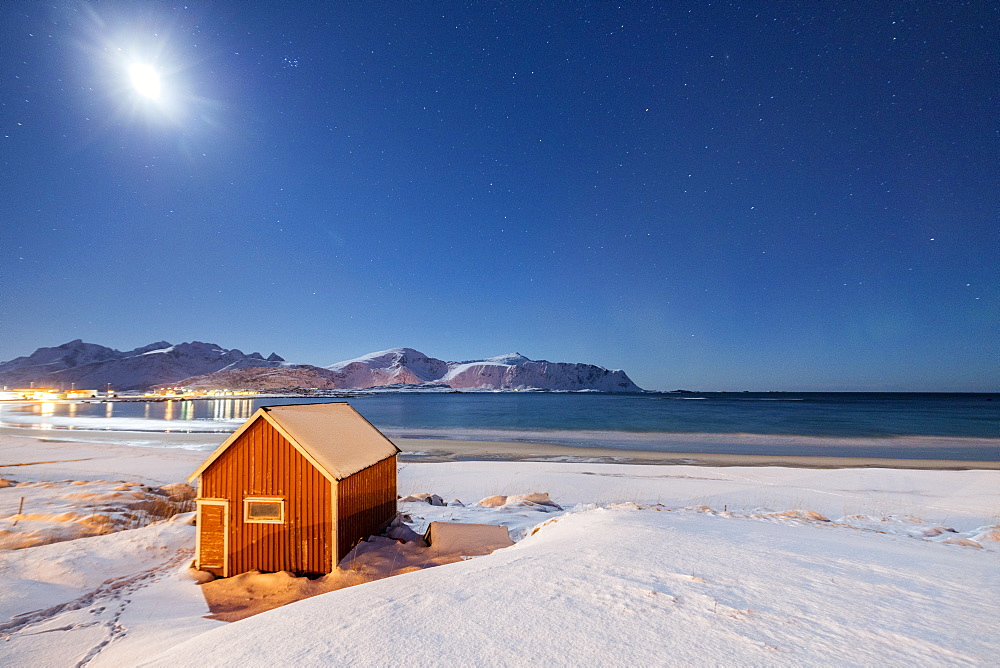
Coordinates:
[263,499]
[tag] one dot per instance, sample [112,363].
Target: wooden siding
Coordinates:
[366,503]
[263,463]
[212,537]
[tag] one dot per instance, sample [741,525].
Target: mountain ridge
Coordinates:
[200,365]
[95,366]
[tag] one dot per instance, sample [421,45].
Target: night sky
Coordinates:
[716,196]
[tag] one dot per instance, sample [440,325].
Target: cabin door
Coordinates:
[212,537]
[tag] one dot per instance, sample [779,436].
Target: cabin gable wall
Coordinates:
[366,503]
[262,463]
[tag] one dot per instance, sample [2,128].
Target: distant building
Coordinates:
[294,489]
[81,394]
[33,394]
[44,394]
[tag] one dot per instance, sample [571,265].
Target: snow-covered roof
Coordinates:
[334,437]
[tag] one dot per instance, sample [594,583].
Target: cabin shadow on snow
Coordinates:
[400,551]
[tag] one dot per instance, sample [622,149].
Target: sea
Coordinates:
[885,425]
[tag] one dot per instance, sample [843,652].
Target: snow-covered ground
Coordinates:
[641,587]
[640,565]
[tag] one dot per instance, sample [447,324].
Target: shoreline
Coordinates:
[441,450]
[112,449]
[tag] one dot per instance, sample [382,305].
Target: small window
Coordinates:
[264,510]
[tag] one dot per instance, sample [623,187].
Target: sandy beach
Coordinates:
[106,457]
[439,450]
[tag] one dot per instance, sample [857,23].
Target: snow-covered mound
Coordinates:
[645,587]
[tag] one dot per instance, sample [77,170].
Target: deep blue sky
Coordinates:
[708,195]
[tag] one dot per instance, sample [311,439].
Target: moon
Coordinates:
[145,80]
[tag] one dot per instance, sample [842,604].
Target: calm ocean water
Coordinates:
[948,426]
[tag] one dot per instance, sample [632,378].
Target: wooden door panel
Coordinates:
[212,543]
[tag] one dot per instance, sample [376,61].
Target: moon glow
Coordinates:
[145,80]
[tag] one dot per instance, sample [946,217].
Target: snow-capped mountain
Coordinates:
[207,366]
[515,371]
[390,367]
[512,371]
[92,366]
[45,361]
[406,366]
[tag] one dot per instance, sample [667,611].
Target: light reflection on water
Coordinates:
[232,409]
[210,416]
[46,409]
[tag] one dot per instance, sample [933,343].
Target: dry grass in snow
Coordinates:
[36,513]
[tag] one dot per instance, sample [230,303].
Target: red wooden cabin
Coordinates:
[294,489]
